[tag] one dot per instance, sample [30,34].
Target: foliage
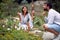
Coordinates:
[38,22]
[16,35]
[56,4]
[7,8]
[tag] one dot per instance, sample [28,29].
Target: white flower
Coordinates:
[3,26]
[8,29]
[14,20]
[15,26]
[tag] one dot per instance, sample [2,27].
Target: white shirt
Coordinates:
[26,19]
[53,17]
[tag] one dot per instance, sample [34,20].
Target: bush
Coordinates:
[21,35]
[7,8]
[38,22]
[55,4]
[17,35]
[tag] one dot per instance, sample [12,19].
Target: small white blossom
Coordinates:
[3,26]
[8,29]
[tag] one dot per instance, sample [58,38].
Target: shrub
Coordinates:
[7,8]
[55,4]
[18,35]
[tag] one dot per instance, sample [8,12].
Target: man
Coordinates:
[53,24]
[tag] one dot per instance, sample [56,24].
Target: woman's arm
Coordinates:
[19,16]
[29,23]
[28,26]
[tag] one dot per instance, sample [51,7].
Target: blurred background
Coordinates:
[9,19]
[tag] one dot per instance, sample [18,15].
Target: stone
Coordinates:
[48,36]
[57,38]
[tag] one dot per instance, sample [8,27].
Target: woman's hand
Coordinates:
[18,13]
[28,26]
[19,16]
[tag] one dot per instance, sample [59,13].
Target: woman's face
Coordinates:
[24,9]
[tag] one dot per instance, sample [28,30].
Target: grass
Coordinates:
[14,34]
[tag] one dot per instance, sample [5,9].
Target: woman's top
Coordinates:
[25,19]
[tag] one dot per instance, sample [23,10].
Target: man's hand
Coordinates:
[32,14]
[44,13]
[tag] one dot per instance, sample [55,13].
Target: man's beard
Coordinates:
[45,10]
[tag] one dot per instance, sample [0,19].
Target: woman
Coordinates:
[25,19]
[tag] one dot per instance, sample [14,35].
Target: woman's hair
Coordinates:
[23,11]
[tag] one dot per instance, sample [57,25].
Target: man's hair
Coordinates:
[49,4]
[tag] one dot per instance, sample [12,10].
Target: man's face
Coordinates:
[45,7]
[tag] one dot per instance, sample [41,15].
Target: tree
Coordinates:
[55,4]
[19,1]
[8,8]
